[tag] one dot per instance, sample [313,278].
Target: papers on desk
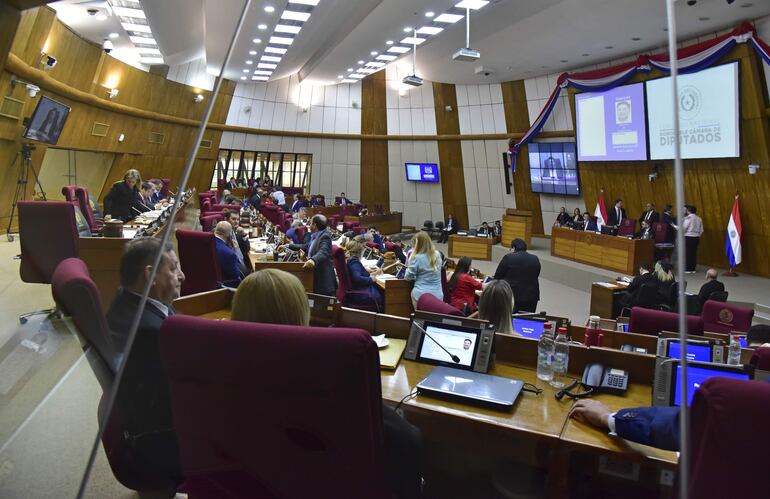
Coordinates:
[369,263]
[385,277]
[390,355]
[608,285]
[129,233]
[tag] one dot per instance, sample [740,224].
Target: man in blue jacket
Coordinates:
[228,261]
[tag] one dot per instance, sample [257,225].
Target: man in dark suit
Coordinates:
[240,241]
[297,204]
[144,203]
[143,395]
[646,276]
[343,201]
[645,232]
[319,254]
[522,271]
[670,220]
[616,214]
[232,184]
[589,224]
[448,230]
[649,214]
[710,286]
[228,261]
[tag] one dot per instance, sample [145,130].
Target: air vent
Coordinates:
[100,129]
[205,144]
[11,108]
[156,138]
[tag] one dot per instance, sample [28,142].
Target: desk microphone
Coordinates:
[454,358]
[134,208]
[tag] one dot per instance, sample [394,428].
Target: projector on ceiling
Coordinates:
[412,80]
[466,54]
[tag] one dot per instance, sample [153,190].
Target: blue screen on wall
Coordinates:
[422,172]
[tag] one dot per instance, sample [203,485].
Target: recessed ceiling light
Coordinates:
[448,18]
[306,2]
[139,28]
[142,40]
[249,63]
[357,76]
[128,12]
[252,52]
[262,72]
[269,9]
[429,30]
[389,42]
[270,58]
[408,29]
[295,16]
[246,70]
[399,50]
[340,76]
[256,40]
[349,70]
[275,50]
[412,40]
[281,40]
[373,52]
[430,13]
[101,17]
[375,64]
[704,19]
[243,77]
[113,35]
[471,4]
[385,57]
[636,38]
[360,62]
[285,28]
[348,80]
[367,70]
[259,78]
[608,47]
[262,26]
[265,65]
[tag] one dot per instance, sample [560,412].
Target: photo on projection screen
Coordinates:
[708,114]
[611,125]
[553,169]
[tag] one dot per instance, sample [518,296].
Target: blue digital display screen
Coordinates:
[701,353]
[696,376]
[742,340]
[422,172]
[528,328]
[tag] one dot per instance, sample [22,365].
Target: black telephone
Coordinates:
[597,379]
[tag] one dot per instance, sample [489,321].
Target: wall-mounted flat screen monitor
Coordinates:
[422,172]
[553,169]
[611,124]
[47,121]
[709,110]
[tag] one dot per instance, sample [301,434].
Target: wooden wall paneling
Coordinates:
[77,59]
[710,184]
[374,153]
[10,18]
[32,33]
[517,121]
[9,150]
[450,153]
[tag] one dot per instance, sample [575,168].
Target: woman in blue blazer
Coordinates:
[364,290]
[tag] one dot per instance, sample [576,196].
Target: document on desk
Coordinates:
[608,285]
[391,355]
[385,277]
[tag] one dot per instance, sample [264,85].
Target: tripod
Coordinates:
[21,182]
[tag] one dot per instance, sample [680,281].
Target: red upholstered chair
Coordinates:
[760,359]
[84,201]
[345,287]
[231,207]
[254,418]
[647,321]
[346,226]
[300,233]
[720,317]
[627,227]
[372,244]
[729,432]
[164,190]
[445,284]
[429,303]
[210,220]
[390,246]
[69,193]
[198,259]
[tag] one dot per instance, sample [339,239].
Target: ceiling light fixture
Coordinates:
[471,4]
[262,72]
[448,18]
[275,50]
[256,40]
[349,70]
[265,65]
[142,40]
[270,58]
[386,57]
[260,78]
[243,77]
[252,52]
[389,42]
[262,26]
[412,40]
[373,52]
[413,79]
[429,30]
[246,70]
[399,50]
[430,13]
[375,64]
[305,2]
[285,28]
[467,53]
[408,29]
[113,35]
[249,63]
[360,62]
[340,76]
[357,76]
[281,40]
[269,9]
[295,16]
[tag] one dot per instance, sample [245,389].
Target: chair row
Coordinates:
[718,317]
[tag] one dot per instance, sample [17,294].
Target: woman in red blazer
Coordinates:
[462,287]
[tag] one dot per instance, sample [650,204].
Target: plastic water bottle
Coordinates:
[560,359]
[545,354]
[734,352]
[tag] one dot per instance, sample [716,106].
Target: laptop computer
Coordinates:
[471,387]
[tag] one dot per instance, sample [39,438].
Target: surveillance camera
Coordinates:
[32,90]
[198,98]
[652,176]
[107,46]
[49,62]
[92,12]
[753,169]
[487,73]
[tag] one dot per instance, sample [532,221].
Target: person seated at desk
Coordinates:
[366,290]
[316,202]
[654,426]
[485,230]
[231,184]
[712,285]
[273,296]
[645,232]
[589,224]
[256,199]
[562,219]
[424,268]
[143,395]
[666,282]
[576,220]
[496,306]
[239,240]
[228,261]
[377,238]
[144,202]
[462,287]
[498,229]
[157,185]
[448,230]
[342,201]
[122,202]
[297,204]
[646,276]
[228,198]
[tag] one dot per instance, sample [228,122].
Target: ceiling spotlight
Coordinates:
[246,70]
[113,35]
[249,63]
[408,29]
[269,9]
[198,98]
[340,76]
[243,77]
[349,70]
[262,26]
[373,52]
[389,42]
[430,13]
[252,52]
[256,40]
[360,62]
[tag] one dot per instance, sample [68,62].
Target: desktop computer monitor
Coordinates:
[529,328]
[699,352]
[667,389]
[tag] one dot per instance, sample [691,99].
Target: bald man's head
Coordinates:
[711,274]
[223,230]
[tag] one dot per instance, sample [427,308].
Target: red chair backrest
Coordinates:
[661,232]
[627,227]
[48,235]
[721,317]
[300,234]
[343,277]
[730,435]
[69,193]
[429,303]
[198,259]
[445,284]
[648,321]
[85,207]
[165,188]
[209,221]
[760,359]
[294,435]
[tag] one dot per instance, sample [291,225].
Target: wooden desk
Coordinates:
[517,224]
[296,268]
[605,299]
[388,223]
[397,295]
[478,248]
[610,252]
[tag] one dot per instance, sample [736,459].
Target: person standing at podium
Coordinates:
[319,254]
[123,199]
[521,270]
[616,214]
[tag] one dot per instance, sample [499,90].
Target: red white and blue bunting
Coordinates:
[691,59]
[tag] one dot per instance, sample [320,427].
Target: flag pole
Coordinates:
[732,272]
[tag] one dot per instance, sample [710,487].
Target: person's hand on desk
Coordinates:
[591,412]
[308,264]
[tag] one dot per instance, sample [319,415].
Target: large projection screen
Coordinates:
[709,113]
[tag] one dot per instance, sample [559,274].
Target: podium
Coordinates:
[517,224]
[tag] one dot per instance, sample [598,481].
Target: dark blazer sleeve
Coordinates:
[360,278]
[502,269]
[654,426]
[323,251]
[228,262]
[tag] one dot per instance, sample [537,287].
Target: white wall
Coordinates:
[412,113]
[192,73]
